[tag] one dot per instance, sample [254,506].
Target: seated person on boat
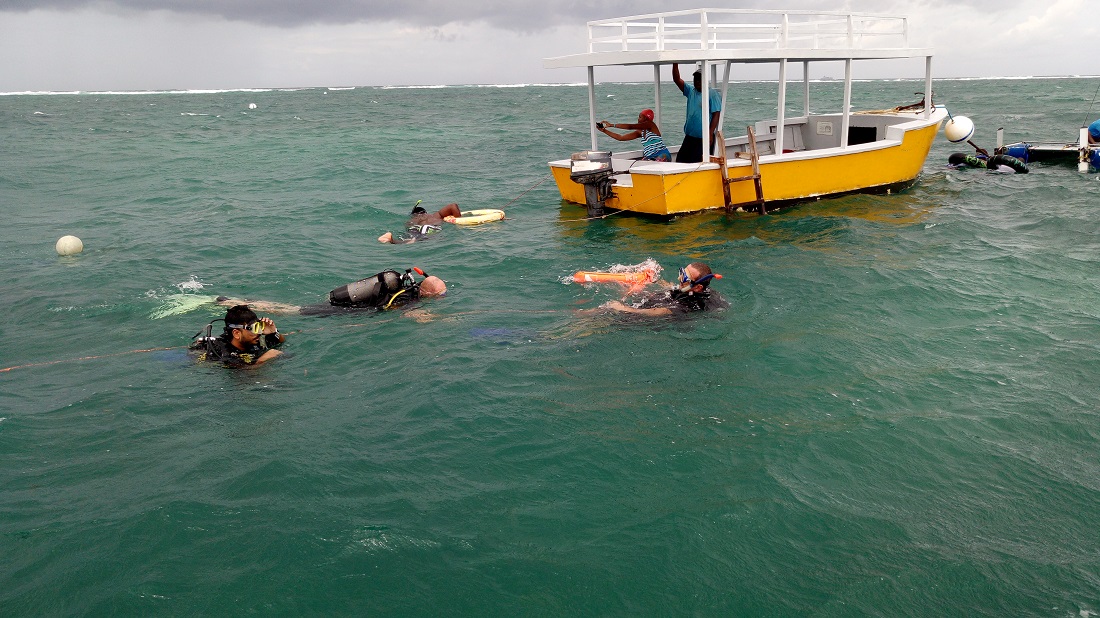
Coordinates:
[653,145]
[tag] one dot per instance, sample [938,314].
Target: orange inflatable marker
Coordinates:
[636,278]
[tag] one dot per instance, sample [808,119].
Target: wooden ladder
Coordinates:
[753,156]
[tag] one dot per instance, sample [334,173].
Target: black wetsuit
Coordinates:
[681,303]
[386,290]
[329,309]
[222,350]
[414,233]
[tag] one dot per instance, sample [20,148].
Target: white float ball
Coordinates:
[68,245]
[251,106]
[959,129]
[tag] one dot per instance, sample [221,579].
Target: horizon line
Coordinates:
[826,79]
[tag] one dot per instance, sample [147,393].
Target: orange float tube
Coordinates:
[636,278]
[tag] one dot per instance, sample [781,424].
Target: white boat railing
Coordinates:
[746,29]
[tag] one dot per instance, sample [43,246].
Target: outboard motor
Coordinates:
[592,169]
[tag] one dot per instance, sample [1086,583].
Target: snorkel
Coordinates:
[687,284]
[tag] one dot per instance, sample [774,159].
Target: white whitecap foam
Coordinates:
[177,304]
[191,284]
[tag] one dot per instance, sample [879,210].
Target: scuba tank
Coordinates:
[204,339]
[373,291]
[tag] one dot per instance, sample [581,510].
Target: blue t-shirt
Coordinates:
[1094,130]
[692,126]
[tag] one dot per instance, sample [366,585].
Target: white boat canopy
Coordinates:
[716,37]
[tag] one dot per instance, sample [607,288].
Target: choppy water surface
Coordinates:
[896,416]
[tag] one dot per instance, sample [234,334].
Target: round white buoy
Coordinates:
[251,106]
[959,129]
[68,245]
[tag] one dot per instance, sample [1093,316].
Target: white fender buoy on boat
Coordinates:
[68,245]
[958,129]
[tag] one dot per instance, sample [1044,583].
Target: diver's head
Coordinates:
[695,277]
[239,322]
[418,210]
[432,286]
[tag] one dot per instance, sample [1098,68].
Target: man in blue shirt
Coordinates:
[1094,132]
[691,151]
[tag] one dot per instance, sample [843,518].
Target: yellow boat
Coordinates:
[813,156]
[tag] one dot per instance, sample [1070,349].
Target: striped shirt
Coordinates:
[652,145]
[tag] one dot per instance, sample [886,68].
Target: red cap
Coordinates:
[647,114]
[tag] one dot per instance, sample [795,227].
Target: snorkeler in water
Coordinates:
[422,224]
[691,294]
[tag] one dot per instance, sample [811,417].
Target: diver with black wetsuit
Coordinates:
[245,340]
[389,289]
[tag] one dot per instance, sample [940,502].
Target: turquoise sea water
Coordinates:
[898,415]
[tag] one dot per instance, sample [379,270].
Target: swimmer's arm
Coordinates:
[274,340]
[655,311]
[266,356]
[272,337]
[264,306]
[420,315]
[388,239]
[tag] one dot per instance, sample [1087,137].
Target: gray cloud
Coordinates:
[523,15]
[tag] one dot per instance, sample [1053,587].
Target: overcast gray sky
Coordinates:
[98,45]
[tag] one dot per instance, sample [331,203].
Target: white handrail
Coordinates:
[713,29]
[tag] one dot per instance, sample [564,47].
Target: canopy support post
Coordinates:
[846,118]
[928,87]
[592,105]
[657,94]
[725,97]
[704,120]
[781,116]
[806,88]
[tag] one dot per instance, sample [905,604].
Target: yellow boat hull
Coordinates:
[668,189]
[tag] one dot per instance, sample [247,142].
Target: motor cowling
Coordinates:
[593,169]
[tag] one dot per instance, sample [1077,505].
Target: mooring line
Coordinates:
[292,332]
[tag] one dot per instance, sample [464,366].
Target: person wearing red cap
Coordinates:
[653,145]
